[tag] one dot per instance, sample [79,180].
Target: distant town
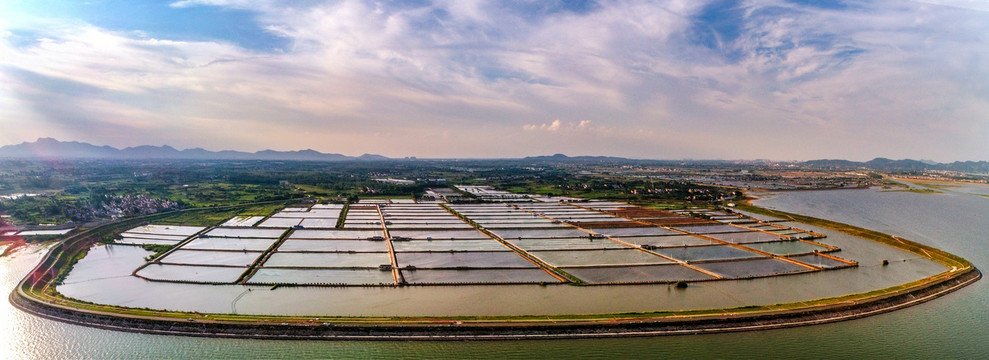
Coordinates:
[39,193]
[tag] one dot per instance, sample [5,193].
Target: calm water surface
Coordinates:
[950,327]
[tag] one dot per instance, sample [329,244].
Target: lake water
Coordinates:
[949,327]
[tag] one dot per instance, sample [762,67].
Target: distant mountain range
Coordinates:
[981,167]
[48,148]
[880,164]
[564,158]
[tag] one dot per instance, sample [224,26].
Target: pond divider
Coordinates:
[395,273]
[264,257]
[553,271]
[175,247]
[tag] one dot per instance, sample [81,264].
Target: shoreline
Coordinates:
[458,331]
[35,295]
[946,182]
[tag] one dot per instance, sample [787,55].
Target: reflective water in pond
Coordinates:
[113,263]
[950,327]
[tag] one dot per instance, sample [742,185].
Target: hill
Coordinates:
[884,164]
[48,148]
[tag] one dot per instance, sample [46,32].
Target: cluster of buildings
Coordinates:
[113,207]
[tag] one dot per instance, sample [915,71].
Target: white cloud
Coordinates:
[557,125]
[630,71]
[980,5]
[224,3]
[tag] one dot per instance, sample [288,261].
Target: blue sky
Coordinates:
[779,79]
[158,19]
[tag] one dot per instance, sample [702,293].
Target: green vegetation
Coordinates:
[91,190]
[85,191]
[343,215]
[612,187]
[940,186]
[158,250]
[68,265]
[42,238]
[43,209]
[213,194]
[217,217]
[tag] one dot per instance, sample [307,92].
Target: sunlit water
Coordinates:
[949,327]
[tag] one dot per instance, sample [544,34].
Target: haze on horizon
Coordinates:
[778,79]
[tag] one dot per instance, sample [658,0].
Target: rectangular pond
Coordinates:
[327,206]
[335,234]
[185,231]
[546,225]
[242,221]
[565,244]
[396,221]
[246,233]
[539,233]
[710,229]
[280,222]
[214,243]
[635,231]
[333,245]
[481,259]
[322,277]
[327,260]
[175,238]
[746,237]
[598,257]
[752,268]
[705,253]
[668,241]
[438,234]
[477,276]
[324,213]
[201,274]
[637,274]
[319,223]
[139,241]
[458,226]
[787,247]
[208,257]
[362,226]
[820,261]
[449,245]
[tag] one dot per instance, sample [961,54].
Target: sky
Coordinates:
[759,79]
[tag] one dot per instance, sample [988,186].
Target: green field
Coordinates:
[217,217]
